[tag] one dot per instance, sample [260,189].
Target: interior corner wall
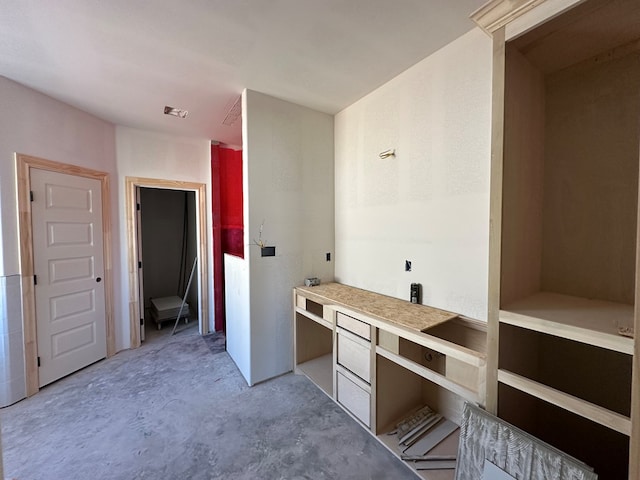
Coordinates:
[42,127]
[430,203]
[288,178]
[145,154]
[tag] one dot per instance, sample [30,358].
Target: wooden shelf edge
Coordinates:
[580,407]
[609,341]
[430,375]
[315,318]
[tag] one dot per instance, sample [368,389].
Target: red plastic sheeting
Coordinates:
[228,227]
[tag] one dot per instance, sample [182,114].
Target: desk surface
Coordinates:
[390,309]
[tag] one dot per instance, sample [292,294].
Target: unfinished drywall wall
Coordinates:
[166,157]
[430,203]
[42,127]
[288,184]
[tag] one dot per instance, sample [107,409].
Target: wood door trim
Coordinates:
[131,183]
[24,164]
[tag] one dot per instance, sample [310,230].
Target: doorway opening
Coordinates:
[166,227]
[168,251]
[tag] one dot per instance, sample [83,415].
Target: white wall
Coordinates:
[165,157]
[37,125]
[288,185]
[429,204]
[237,313]
[1,468]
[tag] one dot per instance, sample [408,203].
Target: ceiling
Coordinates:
[124,60]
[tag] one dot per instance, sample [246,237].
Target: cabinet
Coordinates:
[381,358]
[564,209]
[353,366]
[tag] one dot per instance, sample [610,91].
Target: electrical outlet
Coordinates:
[328,256]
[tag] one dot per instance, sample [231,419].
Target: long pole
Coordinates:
[184,299]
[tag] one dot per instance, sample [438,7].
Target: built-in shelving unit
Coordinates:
[381,359]
[563,264]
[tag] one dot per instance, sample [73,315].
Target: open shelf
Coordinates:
[570,175]
[320,372]
[431,375]
[450,355]
[592,374]
[315,318]
[585,409]
[313,347]
[401,391]
[602,448]
[594,322]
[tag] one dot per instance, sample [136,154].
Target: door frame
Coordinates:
[131,184]
[24,164]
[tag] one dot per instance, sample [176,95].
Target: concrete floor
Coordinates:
[177,408]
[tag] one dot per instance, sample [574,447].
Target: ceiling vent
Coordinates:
[234,113]
[176,112]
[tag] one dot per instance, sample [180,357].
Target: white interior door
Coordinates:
[68,263]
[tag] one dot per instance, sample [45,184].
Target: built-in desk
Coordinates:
[381,358]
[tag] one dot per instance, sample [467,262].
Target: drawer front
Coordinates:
[355,326]
[354,399]
[354,356]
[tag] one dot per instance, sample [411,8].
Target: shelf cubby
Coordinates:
[602,448]
[565,212]
[400,392]
[570,176]
[314,350]
[596,375]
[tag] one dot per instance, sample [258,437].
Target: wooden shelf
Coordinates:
[448,446]
[593,322]
[315,318]
[595,413]
[320,372]
[430,375]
